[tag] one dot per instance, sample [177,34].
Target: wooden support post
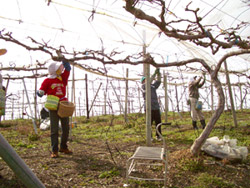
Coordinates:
[126,98]
[105,103]
[23,105]
[79,104]
[226,97]
[87,97]
[230,95]
[146,69]
[166,96]
[35,97]
[241,96]
[119,98]
[176,96]
[12,110]
[73,94]
[235,99]
[148,104]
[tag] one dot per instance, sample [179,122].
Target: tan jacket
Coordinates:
[194,86]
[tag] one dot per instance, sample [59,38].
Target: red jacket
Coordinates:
[56,87]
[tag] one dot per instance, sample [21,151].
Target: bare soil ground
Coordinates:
[99,163]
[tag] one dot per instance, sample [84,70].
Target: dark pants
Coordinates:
[54,131]
[156,117]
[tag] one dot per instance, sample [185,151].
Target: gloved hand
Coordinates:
[40,93]
[157,71]
[59,54]
[204,75]
[66,65]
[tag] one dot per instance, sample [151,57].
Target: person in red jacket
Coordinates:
[55,85]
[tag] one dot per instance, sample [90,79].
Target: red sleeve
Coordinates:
[65,77]
[44,85]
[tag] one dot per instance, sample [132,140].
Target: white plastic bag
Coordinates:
[45,125]
[225,148]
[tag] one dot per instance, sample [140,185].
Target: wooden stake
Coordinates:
[230,95]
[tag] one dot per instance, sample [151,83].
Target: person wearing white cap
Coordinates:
[55,85]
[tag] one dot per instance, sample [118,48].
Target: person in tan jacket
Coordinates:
[193,87]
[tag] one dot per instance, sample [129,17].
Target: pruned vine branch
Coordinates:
[195,31]
[77,57]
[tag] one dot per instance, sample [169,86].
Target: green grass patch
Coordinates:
[109,174]
[207,180]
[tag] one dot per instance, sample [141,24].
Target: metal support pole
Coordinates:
[121,107]
[31,112]
[22,171]
[95,97]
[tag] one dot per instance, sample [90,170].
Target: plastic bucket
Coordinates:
[52,102]
[198,105]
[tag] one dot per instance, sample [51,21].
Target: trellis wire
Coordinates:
[16,104]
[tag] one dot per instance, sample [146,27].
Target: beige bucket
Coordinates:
[65,109]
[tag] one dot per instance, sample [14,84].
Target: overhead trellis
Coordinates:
[92,14]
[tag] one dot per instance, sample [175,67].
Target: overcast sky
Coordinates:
[69,23]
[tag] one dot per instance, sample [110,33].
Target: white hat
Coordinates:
[53,67]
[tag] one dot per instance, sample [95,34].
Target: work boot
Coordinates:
[159,138]
[66,151]
[54,154]
[194,123]
[203,124]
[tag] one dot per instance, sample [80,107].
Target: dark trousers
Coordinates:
[156,117]
[54,131]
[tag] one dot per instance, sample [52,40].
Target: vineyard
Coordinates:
[102,144]
[99,75]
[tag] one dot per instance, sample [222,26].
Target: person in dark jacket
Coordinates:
[155,107]
[193,88]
